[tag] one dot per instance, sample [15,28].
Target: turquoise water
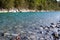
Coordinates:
[21,21]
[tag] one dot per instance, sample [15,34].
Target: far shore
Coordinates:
[23,10]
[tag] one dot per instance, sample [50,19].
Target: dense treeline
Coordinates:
[30,4]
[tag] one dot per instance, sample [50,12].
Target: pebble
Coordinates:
[38,32]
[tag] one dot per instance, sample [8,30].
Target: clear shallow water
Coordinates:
[27,22]
[27,19]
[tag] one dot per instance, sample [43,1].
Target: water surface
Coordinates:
[17,22]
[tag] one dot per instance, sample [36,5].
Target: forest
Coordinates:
[30,4]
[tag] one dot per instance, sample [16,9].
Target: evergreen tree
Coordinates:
[8,4]
[30,4]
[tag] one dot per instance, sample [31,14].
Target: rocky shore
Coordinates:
[22,10]
[30,26]
[51,32]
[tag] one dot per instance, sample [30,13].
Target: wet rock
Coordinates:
[55,36]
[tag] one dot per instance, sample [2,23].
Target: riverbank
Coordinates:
[22,10]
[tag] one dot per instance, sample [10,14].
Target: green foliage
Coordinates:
[8,4]
[30,4]
[17,3]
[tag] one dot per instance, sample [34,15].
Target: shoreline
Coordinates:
[23,10]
